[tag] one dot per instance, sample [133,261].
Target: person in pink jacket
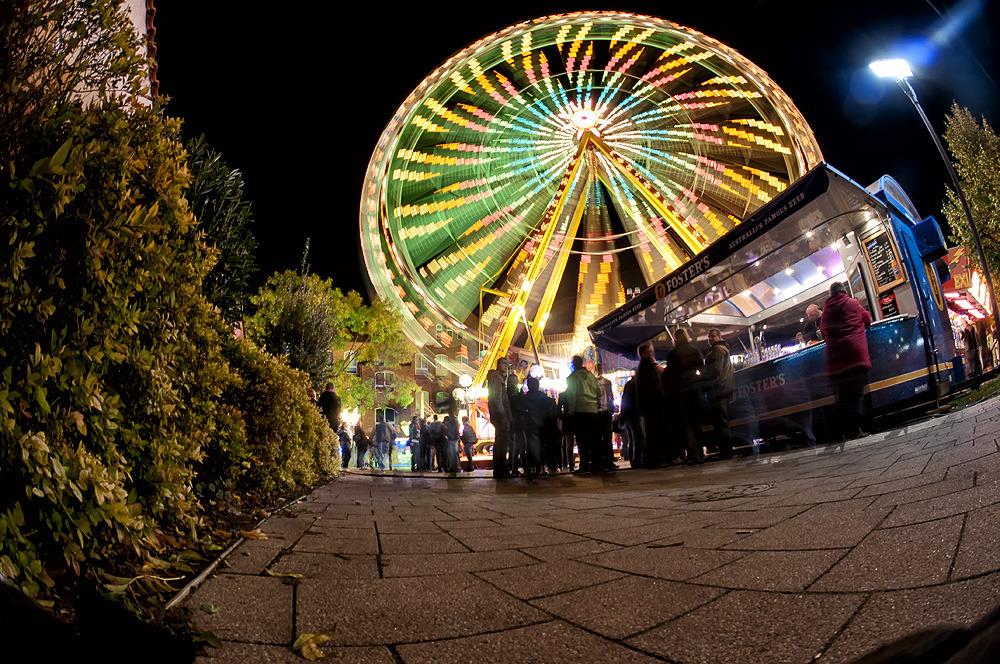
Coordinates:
[843,326]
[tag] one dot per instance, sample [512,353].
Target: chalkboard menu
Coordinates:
[883,261]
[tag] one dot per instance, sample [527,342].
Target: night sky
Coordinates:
[297,102]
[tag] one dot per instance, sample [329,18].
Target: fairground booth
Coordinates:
[757,281]
[969,311]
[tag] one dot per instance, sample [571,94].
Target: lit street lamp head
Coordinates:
[898,69]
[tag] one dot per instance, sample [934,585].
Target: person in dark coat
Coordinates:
[844,325]
[810,328]
[329,403]
[451,436]
[469,441]
[651,439]
[567,457]
[499,406]
[630,423]
[384,436]
[426,445]
[604,455]
[416,454]
[540,414]
[720,386]
[682,382]
[361,445]
[345,445]
[517,426]
[438,438]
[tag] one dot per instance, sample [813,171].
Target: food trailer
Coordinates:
[755,283]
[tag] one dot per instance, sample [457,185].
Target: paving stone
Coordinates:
[986,493]
[518,540]
[758,627]
[979,550]
[286,528]
[326,565]
[531,581]
[331,543]
[438,564]
[891,615]
[758,518]
[252,556]
[678,563]
[420,543]
[890,558]
[553,641]
[703,538]
[569,551]
[408,527]
[641,534]
[387,611]
[886,485]
[783,571]
[826,526]
[250,608]
[619,609]
[233,652]
[967,451]
[925,492]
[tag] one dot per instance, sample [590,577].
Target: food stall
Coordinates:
[755,283]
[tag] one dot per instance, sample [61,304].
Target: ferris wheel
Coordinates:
[627,141]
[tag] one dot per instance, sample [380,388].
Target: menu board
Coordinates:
[883,261]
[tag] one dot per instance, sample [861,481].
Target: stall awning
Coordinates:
[812,213]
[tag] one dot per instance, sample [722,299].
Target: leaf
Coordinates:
[253,534]
[60,156]
[206,637]
[278,575]
[210,608]
[309,644]
[312,652]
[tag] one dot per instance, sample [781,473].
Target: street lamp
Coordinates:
[900,71]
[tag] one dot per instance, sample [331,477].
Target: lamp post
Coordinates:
[900,71]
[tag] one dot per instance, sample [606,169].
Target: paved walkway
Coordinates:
[814,553]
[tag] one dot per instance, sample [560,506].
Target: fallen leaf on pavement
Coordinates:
[253,534]
[279,575]
[308,644]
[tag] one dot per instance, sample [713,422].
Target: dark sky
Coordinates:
[297,102]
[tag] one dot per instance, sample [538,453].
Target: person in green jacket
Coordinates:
[583,397]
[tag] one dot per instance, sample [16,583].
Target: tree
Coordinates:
[303,318]
[370,335]
[294,319]
[216,198]
[976,150]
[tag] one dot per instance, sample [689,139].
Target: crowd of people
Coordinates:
[668,415]
[435,444]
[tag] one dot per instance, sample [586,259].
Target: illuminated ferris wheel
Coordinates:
[626,141]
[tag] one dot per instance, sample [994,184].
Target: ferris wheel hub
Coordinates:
[584,119]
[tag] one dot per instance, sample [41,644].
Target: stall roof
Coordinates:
[822,202]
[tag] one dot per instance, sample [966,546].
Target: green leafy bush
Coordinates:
[288,442]
[116,394]
[112,356]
